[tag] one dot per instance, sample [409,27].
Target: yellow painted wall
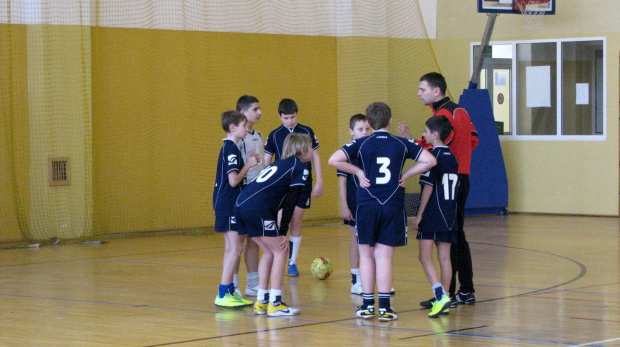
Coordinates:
[14,134]
[545,176]
[157,100]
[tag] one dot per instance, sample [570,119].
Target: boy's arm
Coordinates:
[267,157]
[425,197]
[234,177]
[342,192]
[318,172]
[288,207]
[425,162]
[340,162]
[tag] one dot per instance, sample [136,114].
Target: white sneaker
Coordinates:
[251,291]
[393,291]
[356,288]
[237,291]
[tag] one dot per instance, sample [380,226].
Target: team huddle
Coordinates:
[258,202]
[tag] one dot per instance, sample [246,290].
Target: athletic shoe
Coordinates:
[249,291]
[260,308]
[365,311]
[429,303]
[465,299]
[356,288]
[281,310]
[229,300]
[245,302]
[440,306]
[292,270]
[386,315]
[393,291]
[237,291]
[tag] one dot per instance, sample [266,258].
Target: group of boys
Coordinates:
[372,195]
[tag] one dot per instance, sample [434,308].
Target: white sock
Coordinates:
[296,240]
[252,279]
[275,294]
[236,280]
[356,273]
[260,295]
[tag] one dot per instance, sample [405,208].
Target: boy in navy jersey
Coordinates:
[230,174]
[287,110]
[275,190]
[381,219]
[347,189]
[436,220]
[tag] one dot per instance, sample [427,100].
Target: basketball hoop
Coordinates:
[533,12]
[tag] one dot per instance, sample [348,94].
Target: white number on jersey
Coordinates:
[385,162]
[266,173]
[449,181]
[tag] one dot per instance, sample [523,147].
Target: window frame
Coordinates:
[513,90]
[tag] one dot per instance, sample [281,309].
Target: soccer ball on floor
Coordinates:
[321,268]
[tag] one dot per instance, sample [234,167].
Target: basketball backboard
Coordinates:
[509,6]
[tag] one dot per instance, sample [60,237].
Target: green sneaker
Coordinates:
[245,302]
[440,306]
[229,301]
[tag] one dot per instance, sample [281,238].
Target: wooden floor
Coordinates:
[540,280]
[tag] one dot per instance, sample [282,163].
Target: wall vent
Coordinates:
[59,171]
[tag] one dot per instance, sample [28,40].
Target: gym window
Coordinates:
[546,89]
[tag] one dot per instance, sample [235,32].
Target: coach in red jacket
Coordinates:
[462,141]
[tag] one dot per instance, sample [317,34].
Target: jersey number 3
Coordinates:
[384,162]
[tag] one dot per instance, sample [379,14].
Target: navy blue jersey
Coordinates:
[269,188]
[224,196]
[382,157]
[352,185]
[275,142]
[440,212]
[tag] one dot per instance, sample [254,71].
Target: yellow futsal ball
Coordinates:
[321,268]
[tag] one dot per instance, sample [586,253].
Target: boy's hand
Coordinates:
[318,189]
[252,159]
[346,214]
[403,130]
[364,182]
[416,222]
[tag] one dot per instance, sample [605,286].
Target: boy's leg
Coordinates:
[232,253]
[383,255]
[278,246]
[251,255]
[264,271]
[367,272]
[354,259]
[295,240]
[445,265]
[425,255]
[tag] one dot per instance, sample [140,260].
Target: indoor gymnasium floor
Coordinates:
[540,281]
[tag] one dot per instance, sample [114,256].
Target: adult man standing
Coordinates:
[462,141]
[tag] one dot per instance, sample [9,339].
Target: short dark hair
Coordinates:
[356,118]
[231,117]
[245,101]
[435,80]
[378,115]
[440,124]
[287,106]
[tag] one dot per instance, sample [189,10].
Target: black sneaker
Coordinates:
[465,299]
[428,303]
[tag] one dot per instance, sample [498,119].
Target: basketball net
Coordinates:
[532,12]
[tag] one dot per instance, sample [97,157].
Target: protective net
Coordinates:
[111,108]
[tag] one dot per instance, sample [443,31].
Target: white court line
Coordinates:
[591,343]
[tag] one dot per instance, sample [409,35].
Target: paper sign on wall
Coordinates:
[538,86]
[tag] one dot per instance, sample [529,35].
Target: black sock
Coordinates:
[384,300]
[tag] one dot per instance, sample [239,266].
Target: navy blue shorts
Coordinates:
[256,223]
[386,225]
[304,199]
[442,236]
[227,223]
